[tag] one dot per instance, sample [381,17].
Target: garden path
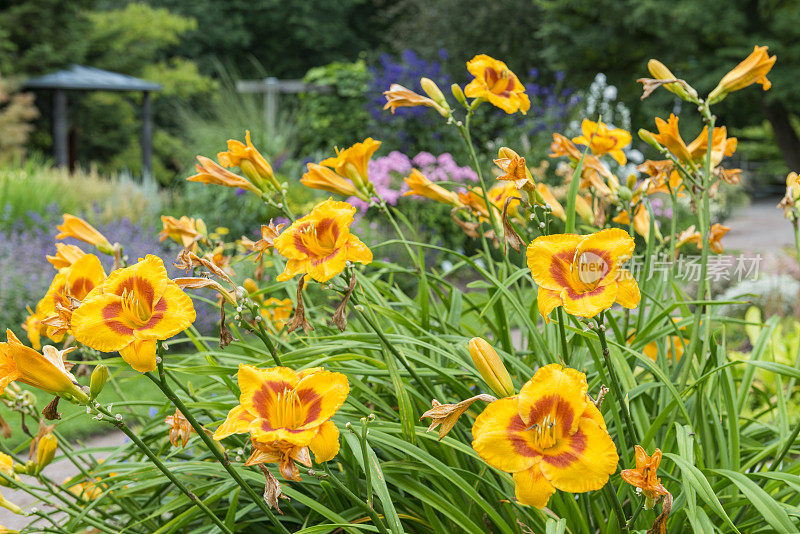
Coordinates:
[58,471]
[760,227]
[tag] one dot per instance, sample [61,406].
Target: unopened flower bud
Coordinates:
[506,152]
[659,71]
[491,367]
[458,94]
[45,451]
[624,193]
[631,181]
[433,91]
[98,380]
[648,138]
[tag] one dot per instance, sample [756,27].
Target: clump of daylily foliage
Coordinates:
[567,391]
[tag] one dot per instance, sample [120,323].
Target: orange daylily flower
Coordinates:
[422,186]
[77,228]
[352,162]
[186,231]
[583,273]
[515,169]
[34,328]
[555,206]
[398,97]
[269,232]
[645,475]
[592,170]
[641,222]
[276,311]
[670,137]
[721,146]
[662,178]
[753,69]
[179,429]
[325,179]
[65,255]
[690,235]
[286,412]
[550,436]
[132,309]
[249,159]
[497,197]
[603,140]
[48,370]
[496,83]
[320,244]
[209,172]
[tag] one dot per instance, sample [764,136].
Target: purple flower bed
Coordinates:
[387,173]
[27,273]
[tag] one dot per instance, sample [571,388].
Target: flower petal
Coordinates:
[237,422]
[628,294]
[550,259]
[98,324]
[532,488]
[500,438]
[260,387]
[611,246]
[548,301]
[557,391]
[140,354]
[147,278]
[583,461]
[589,303]
[326,443]
[321,394]
[173,313]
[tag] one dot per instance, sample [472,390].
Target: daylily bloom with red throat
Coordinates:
[77,228]
[48,371]
[550,436]
[320,244]
[583,273]
[131,310]
[753,69]
[352,162]
[285,412]
[497,84]
[604,140]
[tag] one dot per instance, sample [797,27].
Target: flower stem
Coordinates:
[162,384]
[612,495]
[376,520]
[163,468]
[615,385]
[562,334]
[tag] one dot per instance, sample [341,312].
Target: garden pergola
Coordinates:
[82,78]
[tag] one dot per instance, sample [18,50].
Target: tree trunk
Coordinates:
[785,135]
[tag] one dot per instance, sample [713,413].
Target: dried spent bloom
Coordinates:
[179,429]
[604,140]
[133,309]
[550,436]
[447,415]
[286,412]
[320,244]
[663,77]
[753,69]
[77,228]
[583,273]
[496,83]
[420,185]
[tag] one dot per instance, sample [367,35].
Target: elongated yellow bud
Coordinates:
[45,451]
[433,91]
[659,71]
[506,152]
[491,367]
[98,380]
[458,94]
[648,138]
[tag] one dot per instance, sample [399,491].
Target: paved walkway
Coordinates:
[759,227]
[58,471]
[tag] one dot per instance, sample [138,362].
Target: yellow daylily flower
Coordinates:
[721,146]
[550,436]
[187,231]
[496,83]
[131,310]
[753,69]
[320,244]
[662,178]
[209,172]
[276,311]
[514,168]
[65,255]
[792,195]
[7,469]
[420,185]
[287,412]
[670,137]
[497,195]
[77,228]
[249,159]
[583,273]
[48,370]
[325,179]
[399,97]
[717,232]
[603,140]
[352,162]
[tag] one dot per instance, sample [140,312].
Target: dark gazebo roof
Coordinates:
[78,77]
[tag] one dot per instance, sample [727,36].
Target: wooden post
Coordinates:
[271,104]
[147,137]
[60,128]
